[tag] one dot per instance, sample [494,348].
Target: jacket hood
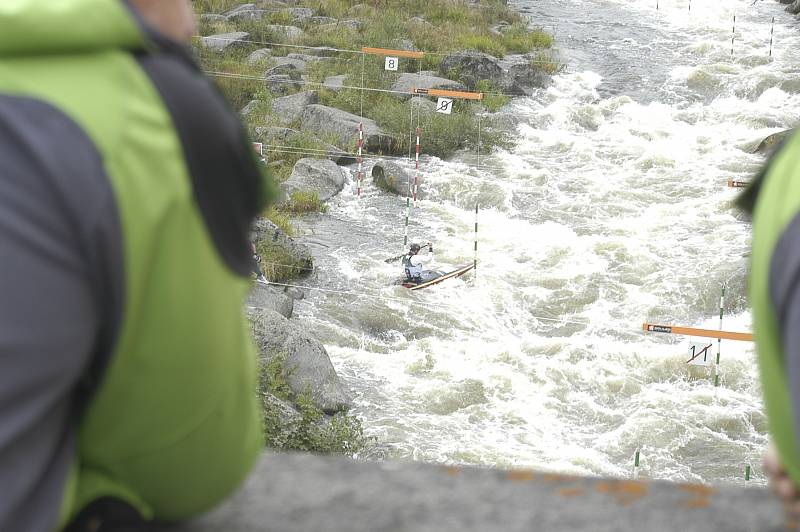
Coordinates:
[45,27]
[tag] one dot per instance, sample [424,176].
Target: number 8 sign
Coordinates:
[392,63]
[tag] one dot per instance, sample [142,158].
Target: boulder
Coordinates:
[406,82]
[300,14]
[771,142]
[392,177]
[308,58]
[279,135]
[351,24]
[307,363]
[285,69]
[520,79]
[262,54]
[291,33]
[322,176]
[265,297]
[239,9]
[281,83]
[322,20]
[298,64]
[405,44]
[794,7]
[225,41]
[334,83]
[290,108]
[213,19]
[250,14]
[472,66]
[274,134]
[419,21]
[248,109]
[266,231]
[344,127]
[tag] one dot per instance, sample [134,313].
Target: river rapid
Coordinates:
[611,210]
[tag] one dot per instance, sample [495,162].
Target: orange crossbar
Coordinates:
[691,331]
[449,94]
[393,53]
[737,184]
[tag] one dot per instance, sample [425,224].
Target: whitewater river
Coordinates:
[611,210]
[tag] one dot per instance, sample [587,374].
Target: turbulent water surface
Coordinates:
[612,209]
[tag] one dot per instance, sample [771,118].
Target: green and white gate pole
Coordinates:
[475,255]
[733,34]
[408,213]
[771,33]
[746,473]
[719,340]
[636,465]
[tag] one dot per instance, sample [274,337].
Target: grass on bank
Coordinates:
[444,26]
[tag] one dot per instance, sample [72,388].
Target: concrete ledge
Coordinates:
[305,493]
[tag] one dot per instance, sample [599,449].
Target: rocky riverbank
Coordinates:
[290,69]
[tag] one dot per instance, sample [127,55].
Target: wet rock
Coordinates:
[771,142]
[307,363]
[392,177]
[344,127]
[520,79]
[406,82]
[290,108]
[265,297]
[222,42]
[794,7]
[322,176]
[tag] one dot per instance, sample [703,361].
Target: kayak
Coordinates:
[432,277]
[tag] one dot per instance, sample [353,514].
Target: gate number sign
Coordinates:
[392,63]
[700,354]
[444,105]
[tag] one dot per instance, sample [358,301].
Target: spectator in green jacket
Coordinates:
[774,201]
[127,387]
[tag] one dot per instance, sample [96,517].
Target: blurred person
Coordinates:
[773,199]
[127,387]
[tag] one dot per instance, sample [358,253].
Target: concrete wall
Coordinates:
[306,493]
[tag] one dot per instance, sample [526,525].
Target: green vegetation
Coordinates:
[308,429]
[304,201]
[280,218]
[278,264]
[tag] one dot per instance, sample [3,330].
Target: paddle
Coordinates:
[428,245]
